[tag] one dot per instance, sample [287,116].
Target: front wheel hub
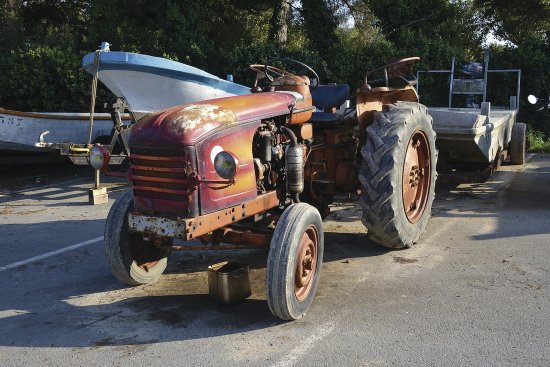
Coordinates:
[306,263]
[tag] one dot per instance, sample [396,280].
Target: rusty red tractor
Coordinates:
[260,170]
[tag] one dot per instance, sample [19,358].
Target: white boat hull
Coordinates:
[149,83]
[19,131]
[147,92]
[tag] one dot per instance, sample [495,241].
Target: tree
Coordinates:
[516,21]
[10,25]
[278,25]
[320,25]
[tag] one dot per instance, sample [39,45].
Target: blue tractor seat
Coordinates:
[328,96]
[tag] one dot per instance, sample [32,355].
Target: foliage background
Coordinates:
[42,42]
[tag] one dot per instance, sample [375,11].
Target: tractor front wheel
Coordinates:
[131,259]
[294,261]
[398,175]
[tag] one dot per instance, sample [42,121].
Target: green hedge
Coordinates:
[45,79]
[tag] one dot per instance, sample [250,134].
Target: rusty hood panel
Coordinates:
[188,124]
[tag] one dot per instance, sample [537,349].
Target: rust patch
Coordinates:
[199,116]
[188,229]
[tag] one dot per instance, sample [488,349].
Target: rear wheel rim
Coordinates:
[306,263]
[416,176]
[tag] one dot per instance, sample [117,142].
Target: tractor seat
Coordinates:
[328,96]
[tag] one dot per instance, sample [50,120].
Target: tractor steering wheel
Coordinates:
[265,71]
[402,67]
[398,67]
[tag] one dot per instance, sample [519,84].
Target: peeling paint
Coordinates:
[199,116]
[170,128]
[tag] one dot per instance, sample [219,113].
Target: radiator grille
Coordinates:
[164,175]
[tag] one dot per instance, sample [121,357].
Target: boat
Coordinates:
[149,83]
[20,132]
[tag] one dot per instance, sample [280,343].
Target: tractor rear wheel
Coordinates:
[294,261]
[398,175]
[518,143]
[131,259]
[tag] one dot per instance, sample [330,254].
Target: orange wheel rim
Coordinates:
[416,176]
[306,263]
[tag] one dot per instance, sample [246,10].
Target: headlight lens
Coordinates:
[99,157]
[225,165]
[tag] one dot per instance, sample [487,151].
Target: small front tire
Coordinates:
[294,261]
[131,259]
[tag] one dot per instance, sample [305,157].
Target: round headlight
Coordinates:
[225,165]
[99,157]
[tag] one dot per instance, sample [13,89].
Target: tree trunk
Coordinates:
[278,30]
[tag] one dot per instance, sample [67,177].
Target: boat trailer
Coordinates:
[123,118]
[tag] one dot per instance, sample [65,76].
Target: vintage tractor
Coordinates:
[260,170]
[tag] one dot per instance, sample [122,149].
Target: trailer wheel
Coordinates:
[131,260]
[398,175]
[518,143]
[294,261]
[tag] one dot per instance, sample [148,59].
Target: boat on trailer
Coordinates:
[144,83]
[149,83]
[20,131]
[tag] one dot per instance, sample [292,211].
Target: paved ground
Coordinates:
[473,292]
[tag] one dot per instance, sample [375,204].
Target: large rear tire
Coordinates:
[294,261]
[398,175]
[131,259]
[518,143]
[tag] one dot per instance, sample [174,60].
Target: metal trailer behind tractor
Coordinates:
[259,171]
[475,140]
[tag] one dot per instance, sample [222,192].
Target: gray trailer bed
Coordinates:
[472,135]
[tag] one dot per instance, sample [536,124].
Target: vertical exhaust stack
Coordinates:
[294,166]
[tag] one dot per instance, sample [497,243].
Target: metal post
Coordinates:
[486,56]
[517,95]
[97,195]
[452,81]
[418,84]
[104,47]
[93,95]
[96,186]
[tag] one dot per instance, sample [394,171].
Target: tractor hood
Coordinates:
[189,124]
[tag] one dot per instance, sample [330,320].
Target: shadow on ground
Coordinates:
[75,302]
[506,197]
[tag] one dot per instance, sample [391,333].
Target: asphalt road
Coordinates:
[473,292]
